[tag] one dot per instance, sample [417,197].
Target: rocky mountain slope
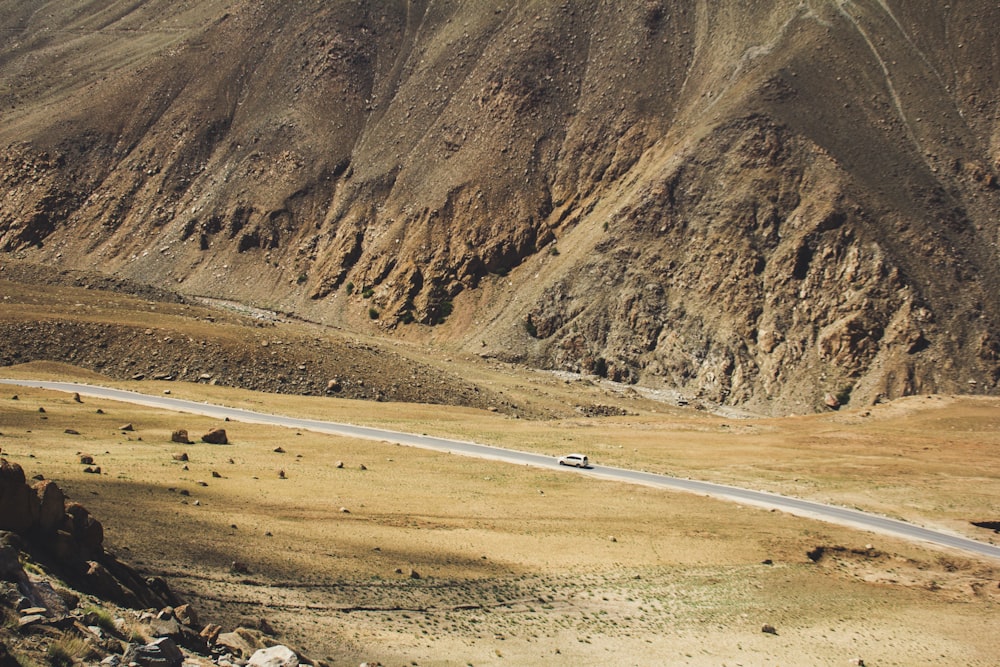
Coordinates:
[760,205]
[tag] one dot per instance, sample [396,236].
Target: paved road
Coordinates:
[828,513]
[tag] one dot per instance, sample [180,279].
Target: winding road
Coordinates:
[796,506]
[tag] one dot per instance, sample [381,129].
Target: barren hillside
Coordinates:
[759,204]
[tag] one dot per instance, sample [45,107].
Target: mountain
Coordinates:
[760,204]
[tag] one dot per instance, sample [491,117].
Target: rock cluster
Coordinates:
[66,533]
[64,542]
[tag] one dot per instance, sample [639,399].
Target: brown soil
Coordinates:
[446,560]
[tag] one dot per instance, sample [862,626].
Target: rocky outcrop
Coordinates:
[19,506]
[65,544]
[67,534]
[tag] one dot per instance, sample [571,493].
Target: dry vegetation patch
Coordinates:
[415,556]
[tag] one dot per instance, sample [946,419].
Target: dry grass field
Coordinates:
[432,559]
[425,558]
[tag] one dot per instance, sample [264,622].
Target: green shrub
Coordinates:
[101,618]
[372,314]
[349,287]
[67,651]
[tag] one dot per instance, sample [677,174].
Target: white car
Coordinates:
[578,460]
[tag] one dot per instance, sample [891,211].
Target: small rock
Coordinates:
[414,574]
[100,412]
[180,436]
[71,431]
[216,475]
[279,450]
[281,474]
[340,464]
[126,427]
[768,629]
[239,568]
[41,410]
[344,510]
[92,470]
[76,397]
[86,460]
[362,467]
[831,401]
[180,457]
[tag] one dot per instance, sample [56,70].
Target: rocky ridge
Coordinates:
[758,206]
[64,599]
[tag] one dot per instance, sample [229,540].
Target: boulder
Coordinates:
[51,505]
[275,656]
[98,581]
[187,615]
[10,563]
[160,653]
[181,436]
[18,505]
[216,436]
[165,627]
[85,529]
[240,643]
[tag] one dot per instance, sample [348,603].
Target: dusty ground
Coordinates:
[512,565]
[518,566]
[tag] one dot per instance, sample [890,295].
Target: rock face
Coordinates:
[19,507]
[569,182]
[69,534]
